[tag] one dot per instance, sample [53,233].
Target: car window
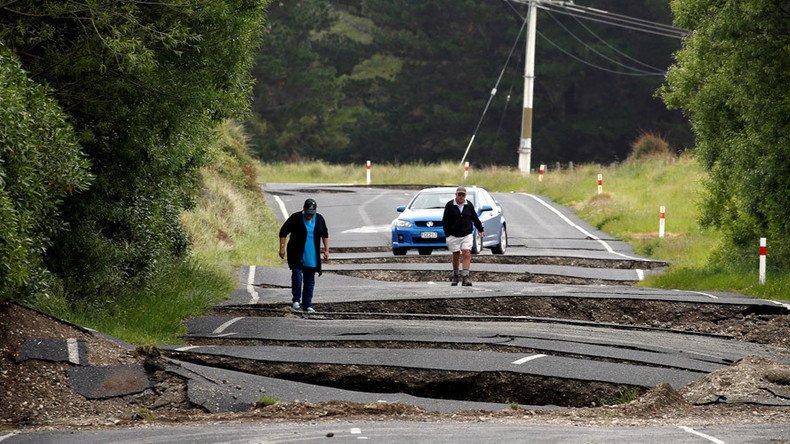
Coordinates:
[434,200]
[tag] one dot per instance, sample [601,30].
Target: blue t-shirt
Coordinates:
[309,258]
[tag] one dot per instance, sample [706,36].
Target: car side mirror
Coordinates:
[401,209]
[486,208]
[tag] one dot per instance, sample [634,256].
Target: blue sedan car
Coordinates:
[420,222]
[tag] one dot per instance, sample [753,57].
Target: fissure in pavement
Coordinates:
[498,387]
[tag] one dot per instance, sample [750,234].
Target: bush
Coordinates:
[40,164]
[650,146]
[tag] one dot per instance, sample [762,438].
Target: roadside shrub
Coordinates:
[650,146]
[40,164]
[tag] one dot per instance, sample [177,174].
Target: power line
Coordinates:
[613,48]
[638,70]
[609,18]
[580,60]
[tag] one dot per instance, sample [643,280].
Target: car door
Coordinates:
[490,219]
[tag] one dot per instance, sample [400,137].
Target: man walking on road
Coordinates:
[306,227]
[459,216]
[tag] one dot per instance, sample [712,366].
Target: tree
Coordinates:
[144,84]
[40,164]
[731,79]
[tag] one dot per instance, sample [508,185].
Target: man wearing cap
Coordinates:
[306,227]
[459,216]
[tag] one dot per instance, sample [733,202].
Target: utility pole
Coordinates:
[525,146]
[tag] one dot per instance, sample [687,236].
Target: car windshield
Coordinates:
[426,201]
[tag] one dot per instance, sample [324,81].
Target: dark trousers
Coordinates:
[300,293]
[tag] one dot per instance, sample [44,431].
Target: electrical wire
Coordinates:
[638,70]
[580,60]
[635,26]
[494,90]
[621,17]
[613,48]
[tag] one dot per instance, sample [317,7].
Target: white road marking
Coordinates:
[254,296]
[282,206]
[188,347]
[526,359]
[8,435]
[368,229]
[355,431]
[701,435]
[698,292]
[787,306]
[431,283]
[74,351]
[222,327]
[582,230]
[363,213]
[640,274]
[225,334]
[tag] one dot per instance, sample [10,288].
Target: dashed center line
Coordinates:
[254,297]
[355,431]
[222,327]
[700,434]
[527,359]
[74,351]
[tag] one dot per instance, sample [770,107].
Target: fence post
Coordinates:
[540,172]
[466,169]
[600,183]
[763,253]
[661,220]
[367,170]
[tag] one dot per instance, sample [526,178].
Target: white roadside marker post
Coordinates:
[367,170]
[763,253]
[662,218]
[540,172]
[600,183]
[466,169]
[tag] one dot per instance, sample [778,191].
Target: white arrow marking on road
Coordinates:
[528,358]
[368,229]
[583,231]
[702,435]
[74,353]
[281,204]
[222,327]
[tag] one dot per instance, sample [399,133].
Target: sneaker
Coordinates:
[296,306]
[454,280]
[466,282]
[309,310]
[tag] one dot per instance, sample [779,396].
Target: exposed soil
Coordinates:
[511,260]
[35,394]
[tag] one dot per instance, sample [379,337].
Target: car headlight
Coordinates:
[400,223]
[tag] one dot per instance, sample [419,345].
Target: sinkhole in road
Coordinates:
[496,387]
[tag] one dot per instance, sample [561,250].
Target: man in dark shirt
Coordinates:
[459,216]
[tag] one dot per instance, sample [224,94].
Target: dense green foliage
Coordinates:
[400,81]
[40,165]
[731,78]
[144,84]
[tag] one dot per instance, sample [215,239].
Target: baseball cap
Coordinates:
[310,206]
[460,190]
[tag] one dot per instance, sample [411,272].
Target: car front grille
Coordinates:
[423,223]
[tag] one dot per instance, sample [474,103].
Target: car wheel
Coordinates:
[399,251]
[425,251]
[502,246]
[477,243]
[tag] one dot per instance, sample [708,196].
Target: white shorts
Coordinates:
[459,243]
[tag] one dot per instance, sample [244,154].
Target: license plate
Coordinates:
[429,235]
